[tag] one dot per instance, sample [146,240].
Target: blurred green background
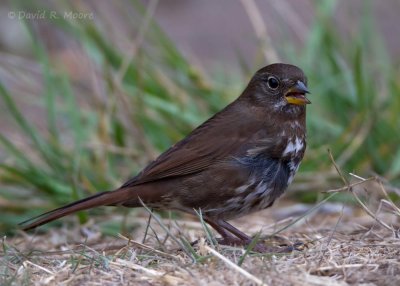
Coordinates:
[90,91]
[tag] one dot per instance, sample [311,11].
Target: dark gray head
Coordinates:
[280,87]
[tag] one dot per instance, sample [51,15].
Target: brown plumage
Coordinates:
[239,161]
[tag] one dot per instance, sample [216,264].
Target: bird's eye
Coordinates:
[273,82]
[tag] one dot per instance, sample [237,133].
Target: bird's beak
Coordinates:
[297,94]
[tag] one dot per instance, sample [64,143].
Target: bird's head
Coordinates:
[279,88]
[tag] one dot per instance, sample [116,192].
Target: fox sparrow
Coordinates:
[237,162]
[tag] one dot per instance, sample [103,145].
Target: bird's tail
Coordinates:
[100,199]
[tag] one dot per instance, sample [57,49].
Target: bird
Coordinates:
[239,161]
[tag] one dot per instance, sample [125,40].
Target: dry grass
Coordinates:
[339,248]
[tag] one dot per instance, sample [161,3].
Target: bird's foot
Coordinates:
[232,241]
[298,246]
[260,246]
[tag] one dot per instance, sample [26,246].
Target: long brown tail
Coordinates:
[100,199]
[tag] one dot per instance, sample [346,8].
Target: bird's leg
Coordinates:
[234,237]
[259,247]
[241,235]
[227,237]
[226,230]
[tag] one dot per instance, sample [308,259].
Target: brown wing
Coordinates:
[220,137]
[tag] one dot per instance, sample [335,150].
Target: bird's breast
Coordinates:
[268,177]
[293,154]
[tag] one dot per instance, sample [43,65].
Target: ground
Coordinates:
[344,247]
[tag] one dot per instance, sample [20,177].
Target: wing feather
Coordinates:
[213,141]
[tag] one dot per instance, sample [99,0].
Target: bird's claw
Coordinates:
[261,247]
